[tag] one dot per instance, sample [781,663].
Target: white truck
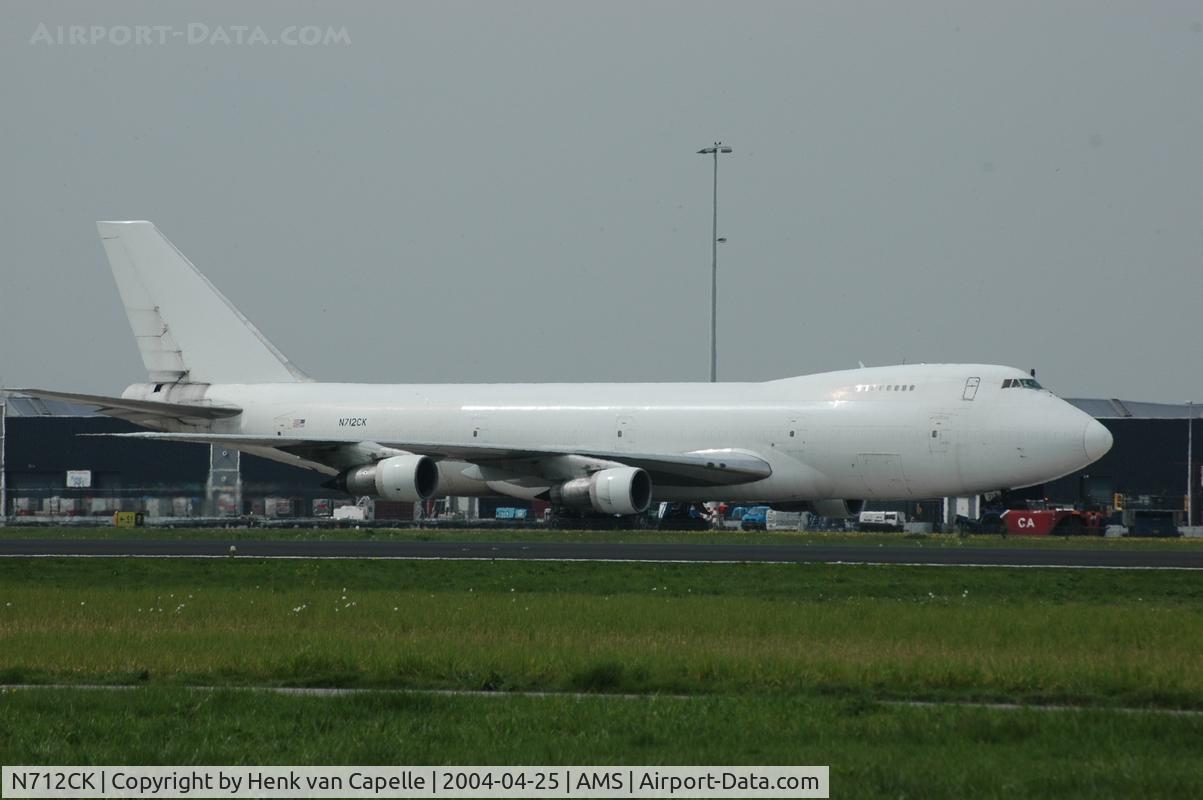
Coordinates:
[881,521]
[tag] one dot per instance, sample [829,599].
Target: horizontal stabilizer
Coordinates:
[139,410]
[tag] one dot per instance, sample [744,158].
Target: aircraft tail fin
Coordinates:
[187,331]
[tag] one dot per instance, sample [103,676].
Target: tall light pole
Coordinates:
[3,462]
[718,147]
[1190,458]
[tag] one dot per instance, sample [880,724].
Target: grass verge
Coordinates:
[874,750]
[1077,636]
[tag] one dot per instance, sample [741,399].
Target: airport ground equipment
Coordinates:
[1053,522]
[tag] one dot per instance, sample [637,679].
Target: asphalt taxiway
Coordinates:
[1099,558]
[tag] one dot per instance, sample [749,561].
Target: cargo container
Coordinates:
[508,513]
[277,507]
[62,506]
[102,506]
[394,509]
[786,520]
[227,505]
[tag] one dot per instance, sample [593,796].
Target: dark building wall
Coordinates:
[1148,457]
[41,449]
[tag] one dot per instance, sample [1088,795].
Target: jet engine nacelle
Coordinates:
[409,478]
[621,490]
[837,509]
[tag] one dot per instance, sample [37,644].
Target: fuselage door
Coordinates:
[480,427]
[794,440]
[941,433]
[971,388]
[624,432]
[291,424]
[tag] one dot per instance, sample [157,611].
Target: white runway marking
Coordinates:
[245,557]
[334,691]
[317,691]
[1177,712]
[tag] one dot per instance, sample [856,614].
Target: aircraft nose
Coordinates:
[1096,439]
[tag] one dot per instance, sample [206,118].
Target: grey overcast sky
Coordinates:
[509,191]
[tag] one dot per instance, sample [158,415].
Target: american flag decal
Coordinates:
[298,423]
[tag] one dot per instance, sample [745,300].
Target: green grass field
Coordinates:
[1082,636]
[874,750]
[732,663]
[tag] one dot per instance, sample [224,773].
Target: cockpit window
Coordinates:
[1030,383]
[1021,383]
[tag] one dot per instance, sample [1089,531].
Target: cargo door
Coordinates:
[882,475]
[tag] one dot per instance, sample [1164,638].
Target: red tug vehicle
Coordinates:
[1053,522]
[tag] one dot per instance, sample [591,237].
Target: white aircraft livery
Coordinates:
[828,441]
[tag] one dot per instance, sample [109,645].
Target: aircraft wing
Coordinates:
[719,467]
[139,411]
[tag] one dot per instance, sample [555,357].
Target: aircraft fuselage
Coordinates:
[909,431]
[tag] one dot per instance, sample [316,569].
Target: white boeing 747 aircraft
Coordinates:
[827,441]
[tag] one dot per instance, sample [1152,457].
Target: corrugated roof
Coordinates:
[1114,408]
[1095,408]
[17,405]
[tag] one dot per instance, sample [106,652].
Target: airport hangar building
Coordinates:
[43,453]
